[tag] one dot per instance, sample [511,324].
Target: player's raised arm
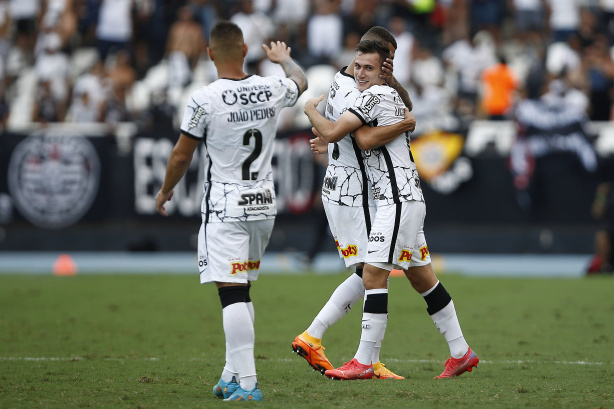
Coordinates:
[373,137]
[331,131]
[279,53]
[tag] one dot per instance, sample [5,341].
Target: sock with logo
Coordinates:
[374,321]
[441,309]
[339,303]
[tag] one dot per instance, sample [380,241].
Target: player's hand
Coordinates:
[162,198]
[386,73]
[318,144]
[313,102]
[409,121]
[278,51]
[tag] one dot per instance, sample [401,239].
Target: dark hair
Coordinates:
[381,34]
[373,46]
[227,32]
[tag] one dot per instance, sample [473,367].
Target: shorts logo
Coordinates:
[202,262]
[229,97]
[405,255]
[350,251]
[424,252]
[53,178]
[243,267]
[377,238]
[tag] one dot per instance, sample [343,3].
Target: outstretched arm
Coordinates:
[279,53]
[369,138]
[396,85]
[331,131]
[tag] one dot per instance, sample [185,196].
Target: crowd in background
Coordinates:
[95,60]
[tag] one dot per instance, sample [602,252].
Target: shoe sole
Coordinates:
[337,378]
[305,354]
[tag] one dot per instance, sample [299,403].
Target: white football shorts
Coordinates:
[231,252]
[349,227]
[397,237]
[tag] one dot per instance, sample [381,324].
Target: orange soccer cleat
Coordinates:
[312,350]
[381,372]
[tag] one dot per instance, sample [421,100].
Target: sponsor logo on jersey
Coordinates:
[350,251]
[259,198]
[196,115]
[243,267]
[229,97]
[254,94]
[371,103]
[53,178]
[330,183]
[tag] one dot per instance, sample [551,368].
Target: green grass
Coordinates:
[156,341]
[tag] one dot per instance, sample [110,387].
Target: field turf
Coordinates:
[156,341]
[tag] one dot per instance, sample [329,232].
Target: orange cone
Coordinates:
[396,273]
[64,266]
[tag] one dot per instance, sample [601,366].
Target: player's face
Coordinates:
[367,68]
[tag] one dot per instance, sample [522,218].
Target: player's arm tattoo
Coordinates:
[402,92]
[295,73]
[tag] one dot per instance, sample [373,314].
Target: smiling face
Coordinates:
[367,68]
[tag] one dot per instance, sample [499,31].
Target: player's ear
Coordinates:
[210,53]
[244,50]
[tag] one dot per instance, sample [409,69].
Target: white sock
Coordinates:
[240,339]
[229,372]
[373,327]
[446,322]
[252,313]
[339,303]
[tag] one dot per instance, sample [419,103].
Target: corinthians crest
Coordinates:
[53,178]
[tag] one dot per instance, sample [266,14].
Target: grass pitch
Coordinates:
[156,341]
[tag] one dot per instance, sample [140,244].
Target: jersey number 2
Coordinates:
[257,135]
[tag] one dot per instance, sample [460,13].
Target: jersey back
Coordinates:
[237,120]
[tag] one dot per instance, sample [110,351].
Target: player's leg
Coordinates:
[441,309]
[352,249]
[224,258]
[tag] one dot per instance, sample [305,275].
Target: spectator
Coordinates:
[5,40]
[114,29]
[290,17]
[325,31]
[528,19]
[53,66]
[5,109]
[24,14]
[59,16]
[426,69]
[47,108]
[498,84]
[564,18]
[603,210]
[185,46]
[598,69]
[257,29]
[487,15]
[88,96]
[122,74]
[403,56]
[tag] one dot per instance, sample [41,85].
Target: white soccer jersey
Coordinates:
[237,120]
[390,168]
[345,180]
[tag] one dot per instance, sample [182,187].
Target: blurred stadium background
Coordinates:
[92,92]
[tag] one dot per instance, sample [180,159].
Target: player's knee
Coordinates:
[233,294]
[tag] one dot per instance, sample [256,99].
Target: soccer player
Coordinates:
[397,238]
[236,118]
[345,195]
